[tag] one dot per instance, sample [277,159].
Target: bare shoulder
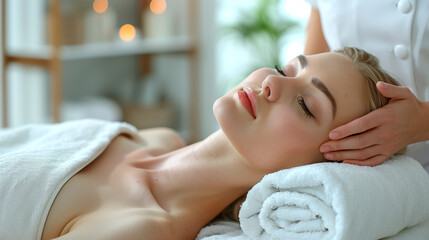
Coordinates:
[163,139]
[126,224]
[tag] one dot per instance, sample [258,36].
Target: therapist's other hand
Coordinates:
[373,138]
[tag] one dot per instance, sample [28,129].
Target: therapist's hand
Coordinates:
[373,138]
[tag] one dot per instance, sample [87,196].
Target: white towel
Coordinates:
[337,201]
[36,161]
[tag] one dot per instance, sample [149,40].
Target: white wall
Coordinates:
[209,91]
[1,91]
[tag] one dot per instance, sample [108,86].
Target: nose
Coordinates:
[271,87]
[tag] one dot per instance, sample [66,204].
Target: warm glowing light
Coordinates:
[127,32]
[158,6]
[100,6]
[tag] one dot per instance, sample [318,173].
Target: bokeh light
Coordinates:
[100,6]
[158,6]
[127,32]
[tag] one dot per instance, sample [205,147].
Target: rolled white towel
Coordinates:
[337,201]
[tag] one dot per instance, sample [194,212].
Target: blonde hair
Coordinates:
[370,69]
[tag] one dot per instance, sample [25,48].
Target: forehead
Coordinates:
[343,80]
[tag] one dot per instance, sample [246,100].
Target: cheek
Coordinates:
[292,134]
[289,141]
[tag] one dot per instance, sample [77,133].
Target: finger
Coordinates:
[362,154]
[356,126]
[392,91]
[358,141]
[374,161]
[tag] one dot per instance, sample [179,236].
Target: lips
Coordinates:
[248,100]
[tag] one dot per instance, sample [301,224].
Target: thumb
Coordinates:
[392,91]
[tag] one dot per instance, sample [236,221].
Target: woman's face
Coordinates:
[277,122]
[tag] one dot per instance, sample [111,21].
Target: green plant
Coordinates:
[262,30]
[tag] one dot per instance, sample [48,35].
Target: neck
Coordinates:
[206,176]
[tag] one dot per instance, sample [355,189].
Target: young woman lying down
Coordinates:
[99,180]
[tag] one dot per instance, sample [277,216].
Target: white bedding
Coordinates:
[230,230]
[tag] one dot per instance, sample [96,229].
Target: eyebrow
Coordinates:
[302,60]
[319,84]
[322,87]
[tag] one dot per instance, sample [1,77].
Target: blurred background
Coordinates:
[151,63]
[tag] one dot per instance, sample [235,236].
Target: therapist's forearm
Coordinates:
[315,42]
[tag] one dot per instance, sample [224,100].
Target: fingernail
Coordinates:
[325,149]
[334,135]
[329,156]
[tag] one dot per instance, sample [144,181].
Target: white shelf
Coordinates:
[108,49]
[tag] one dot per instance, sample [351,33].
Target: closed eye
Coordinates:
[304,107]
[279,70]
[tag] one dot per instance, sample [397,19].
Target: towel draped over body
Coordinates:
[37,160]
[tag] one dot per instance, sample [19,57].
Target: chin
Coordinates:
[223,110]
[216,110]
[229,118]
